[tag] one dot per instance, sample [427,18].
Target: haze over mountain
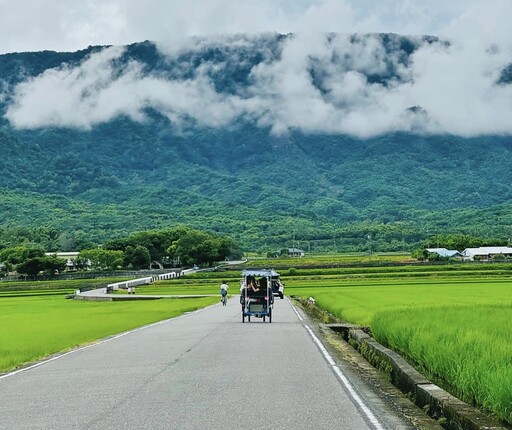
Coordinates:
[264,137]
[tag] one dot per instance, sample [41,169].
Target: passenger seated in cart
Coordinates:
[254,289]
[252,285]
[258,290]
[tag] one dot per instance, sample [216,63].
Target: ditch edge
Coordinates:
[451,412]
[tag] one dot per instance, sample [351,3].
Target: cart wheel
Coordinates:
[270,316]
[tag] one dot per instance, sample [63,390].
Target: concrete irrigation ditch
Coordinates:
[450,411]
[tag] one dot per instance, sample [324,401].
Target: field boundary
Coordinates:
[451,412]
[102,297]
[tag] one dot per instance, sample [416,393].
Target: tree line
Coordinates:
[177,247]
[455,242]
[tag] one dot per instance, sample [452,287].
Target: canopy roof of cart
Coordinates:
[261,273]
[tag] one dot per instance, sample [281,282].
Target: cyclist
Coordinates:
[224,292]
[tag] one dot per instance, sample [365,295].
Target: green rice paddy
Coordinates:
[451,321]
[32,328]
[458,332]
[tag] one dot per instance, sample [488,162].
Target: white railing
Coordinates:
[131,283]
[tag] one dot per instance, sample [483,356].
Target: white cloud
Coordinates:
[454,86]
[72,97]
[483,22]
[28,25]
[457,86]
[97,92]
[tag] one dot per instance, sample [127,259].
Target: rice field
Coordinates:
[468,348]
[458,332]
[34,327]
[451,321]
[330,259]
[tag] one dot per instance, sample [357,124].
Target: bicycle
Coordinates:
[224,293]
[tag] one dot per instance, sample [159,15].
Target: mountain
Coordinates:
[221,135]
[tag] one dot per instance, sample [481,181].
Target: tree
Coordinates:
[419,254]
[66,242]
[198,247]
[102,259]
[33,266]
[156,242]
[138,257]
[19,254]
[462,241]
[53,264]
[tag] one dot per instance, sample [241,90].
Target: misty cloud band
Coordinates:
[318,84]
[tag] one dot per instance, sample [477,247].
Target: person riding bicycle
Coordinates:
[223,290]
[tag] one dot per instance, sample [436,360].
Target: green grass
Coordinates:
[329,260]
[457,330]
[69,284]
[468,348]
[36,320]
[452,321]
[32,328]
[359,267]
[359,300]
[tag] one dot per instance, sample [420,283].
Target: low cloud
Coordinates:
[98,91]
[444,88]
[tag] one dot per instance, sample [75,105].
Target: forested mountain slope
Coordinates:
[195,141]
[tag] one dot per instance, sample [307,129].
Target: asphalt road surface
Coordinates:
[204,370]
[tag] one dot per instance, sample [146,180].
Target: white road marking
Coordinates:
[344,380]
[81,348]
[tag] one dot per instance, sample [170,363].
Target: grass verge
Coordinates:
[32,328]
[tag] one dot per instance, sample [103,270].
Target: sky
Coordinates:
[455,86]
[69,25]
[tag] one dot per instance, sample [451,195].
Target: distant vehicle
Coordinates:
[271,277]
[195,267]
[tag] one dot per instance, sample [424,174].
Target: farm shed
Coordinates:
[295,252]
[443,252]
[486,253]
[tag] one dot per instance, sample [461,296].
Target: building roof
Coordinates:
[443,252]
[63,254]
[488,250]
[295,250]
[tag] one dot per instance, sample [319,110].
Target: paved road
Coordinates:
[204,370]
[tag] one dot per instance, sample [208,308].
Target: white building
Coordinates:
[486,253]
[295,252]
[70,258]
